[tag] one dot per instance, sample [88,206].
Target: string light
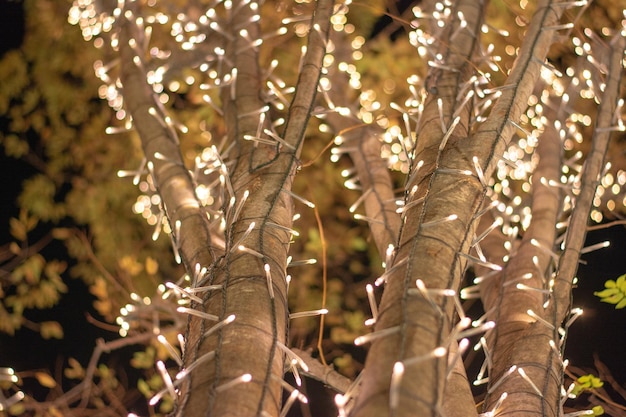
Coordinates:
[211,174]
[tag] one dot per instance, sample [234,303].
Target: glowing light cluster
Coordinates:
[9,378]
[91,21]
[162,40]
[550,107]
[561,101]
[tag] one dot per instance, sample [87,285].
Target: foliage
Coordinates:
[56,124]
[586,382]
[614,293]
[32,281]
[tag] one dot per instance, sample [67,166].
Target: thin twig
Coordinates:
[323,373]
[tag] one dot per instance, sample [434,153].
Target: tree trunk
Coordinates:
[416,331]
[235,344]
[236,251]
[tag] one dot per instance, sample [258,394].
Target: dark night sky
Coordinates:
[11,25]
[601,329]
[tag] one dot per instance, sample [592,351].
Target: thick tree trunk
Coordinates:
[413,333]
[235,345]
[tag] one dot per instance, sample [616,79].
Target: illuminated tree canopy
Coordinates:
[257,192]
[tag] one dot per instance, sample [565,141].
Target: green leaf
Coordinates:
[613,299]
[609,292]
[143,360]
[614,292]
[155,382]
[144,388]
[598,410]
[166,405]
[586,382]
[359,244]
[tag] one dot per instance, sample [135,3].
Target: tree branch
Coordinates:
[322,373]
[419,325]
[252,273]
[519,337]
[590,178]
[192,234]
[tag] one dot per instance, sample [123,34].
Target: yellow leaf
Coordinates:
[166,405]
[51,329]
[17,409]
[15,248]
[17,229]
[130,265]
[104,307]
[61,233]
[99,288]
[54,412]
[152,266]
[75,371]
[45,379]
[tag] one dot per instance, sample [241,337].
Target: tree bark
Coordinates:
[232,369]
[416,328]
